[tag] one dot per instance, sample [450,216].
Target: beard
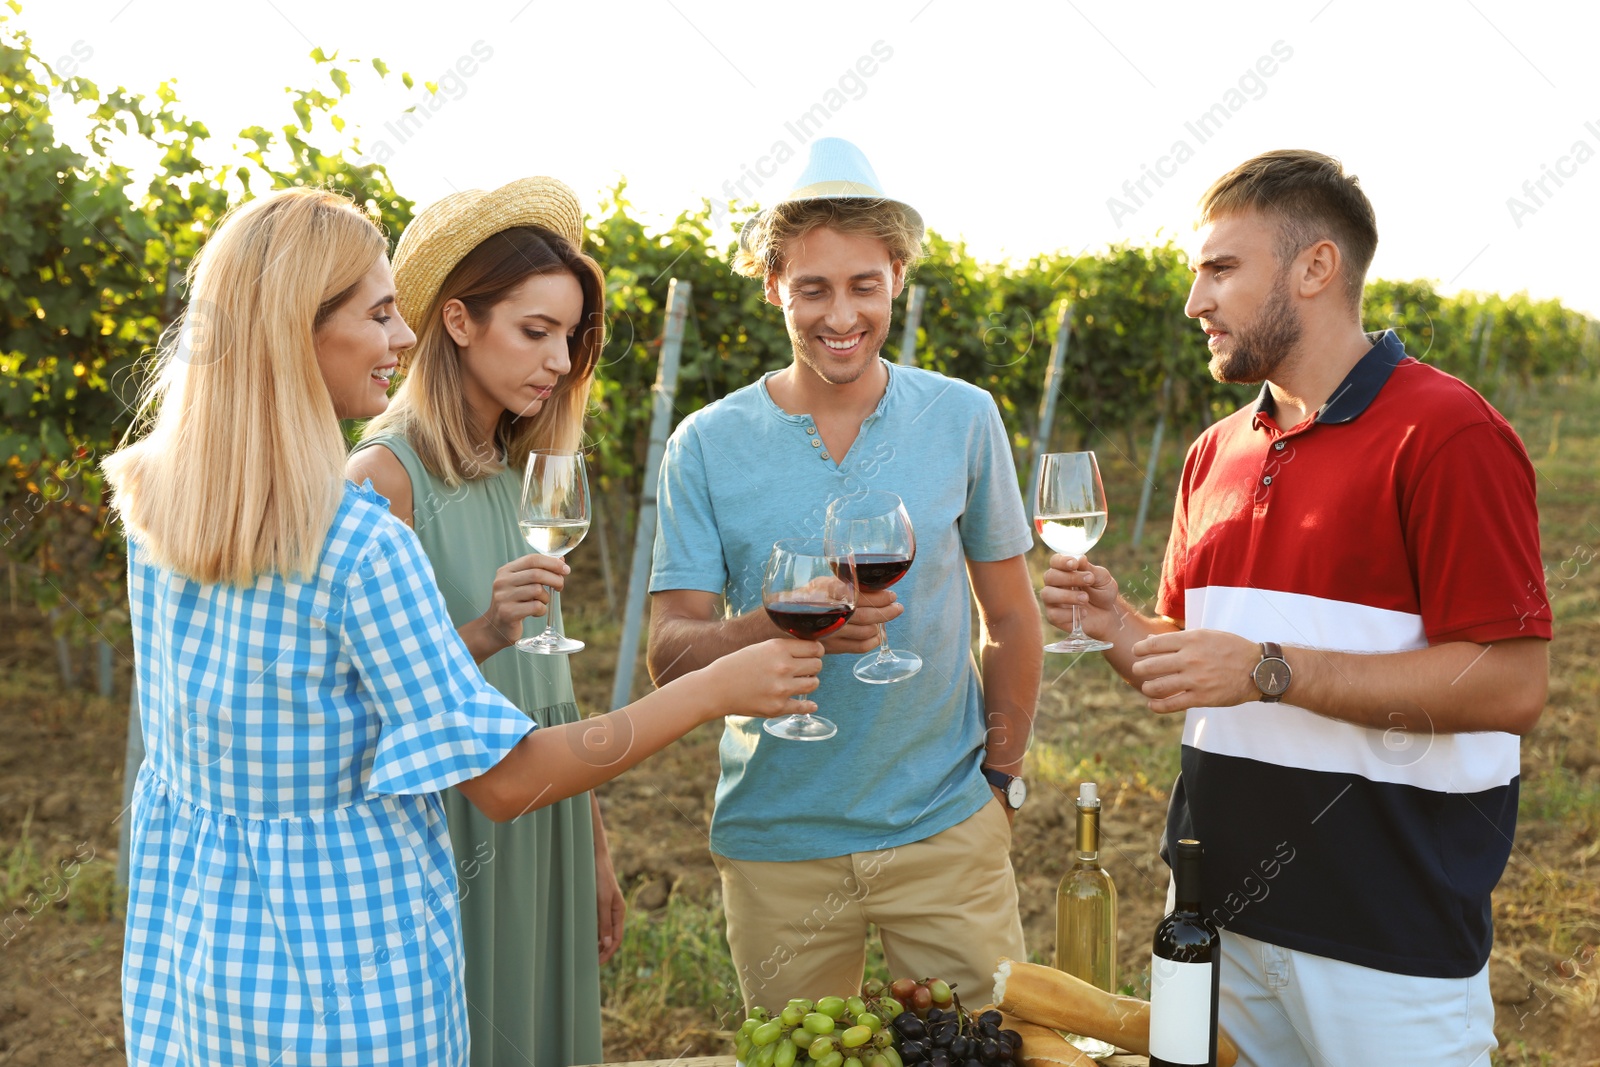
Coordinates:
[815,356]
[1260,347]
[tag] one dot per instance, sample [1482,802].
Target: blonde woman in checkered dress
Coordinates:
[304,695]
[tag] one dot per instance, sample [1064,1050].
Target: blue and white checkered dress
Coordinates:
[292,894]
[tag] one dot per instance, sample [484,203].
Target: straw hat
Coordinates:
[835,170]
[441,236]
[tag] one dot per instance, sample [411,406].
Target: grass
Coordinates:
[671,983]
[672,986]
[1143,769]
[1559,794]
[1547,907]
[73,881]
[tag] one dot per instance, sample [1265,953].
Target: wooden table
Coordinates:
[729,1061]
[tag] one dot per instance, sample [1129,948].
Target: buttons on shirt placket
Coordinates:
[816,442]
[1270,465]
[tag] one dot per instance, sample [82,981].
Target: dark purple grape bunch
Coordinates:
[954,1037]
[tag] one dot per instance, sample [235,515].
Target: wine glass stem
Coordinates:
[1077,620]
[883,639]
[550,613]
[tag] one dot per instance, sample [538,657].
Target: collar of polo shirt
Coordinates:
[1359,388]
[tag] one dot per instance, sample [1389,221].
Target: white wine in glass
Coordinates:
[1069,513]
[555,537]
[553,517]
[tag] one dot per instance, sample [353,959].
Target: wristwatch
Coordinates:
[1272,675]
[1011,786]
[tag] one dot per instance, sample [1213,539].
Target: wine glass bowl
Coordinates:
[1069,514]
[876,527]
[554,517]
[808,591]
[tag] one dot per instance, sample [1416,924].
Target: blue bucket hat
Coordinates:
[836,170]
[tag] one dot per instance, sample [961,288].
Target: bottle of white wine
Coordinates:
[1086,905]
[1185,967]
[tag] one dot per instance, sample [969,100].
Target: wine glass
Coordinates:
[1069,511]
[554,516]
[874,525]
[809,591]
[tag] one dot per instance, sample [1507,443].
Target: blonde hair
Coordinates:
[765,236]
[429,410]
[1309,197]
[241,470]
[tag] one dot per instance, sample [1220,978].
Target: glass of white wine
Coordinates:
[1069,512]
[553,516]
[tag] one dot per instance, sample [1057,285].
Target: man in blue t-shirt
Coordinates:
[902,819]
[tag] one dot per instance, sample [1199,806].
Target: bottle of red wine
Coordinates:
[1185,966]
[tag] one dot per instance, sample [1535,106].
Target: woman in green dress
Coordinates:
[508,313]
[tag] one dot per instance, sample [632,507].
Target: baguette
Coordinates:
[1058,1001]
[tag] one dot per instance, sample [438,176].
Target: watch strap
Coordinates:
[1008,784]
[999,779]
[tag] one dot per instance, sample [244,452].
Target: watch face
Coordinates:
[1272,677]
[1016,792]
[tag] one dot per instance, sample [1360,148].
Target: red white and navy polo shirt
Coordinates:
[1401,515]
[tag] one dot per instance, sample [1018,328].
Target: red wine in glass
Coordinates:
[875,571]
[809,622]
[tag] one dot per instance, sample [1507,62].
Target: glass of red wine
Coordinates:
[876,528]
[809,591]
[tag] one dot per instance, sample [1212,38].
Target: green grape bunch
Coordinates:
[830,1032]
[906,1024]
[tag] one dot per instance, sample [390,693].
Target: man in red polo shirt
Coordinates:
[1353,617]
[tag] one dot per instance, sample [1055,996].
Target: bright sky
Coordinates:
[1013,125]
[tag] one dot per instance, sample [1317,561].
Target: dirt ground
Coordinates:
[61,764]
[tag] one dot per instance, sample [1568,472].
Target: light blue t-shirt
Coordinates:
[742,473]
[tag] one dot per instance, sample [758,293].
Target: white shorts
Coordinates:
[1292,1009]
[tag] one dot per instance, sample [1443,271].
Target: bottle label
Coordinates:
[1180,1011]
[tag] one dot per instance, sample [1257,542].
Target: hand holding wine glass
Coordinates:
[554,517]
[1069,513]
[768,679]
[862,632]
[521,590]
[808,591]
[1075,582]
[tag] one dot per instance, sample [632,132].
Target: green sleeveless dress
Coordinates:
[528,901]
